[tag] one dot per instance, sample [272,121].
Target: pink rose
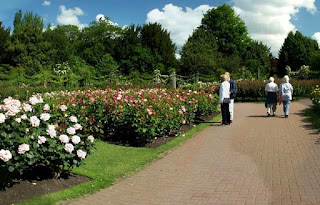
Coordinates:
[23,148]
[2,118]
[73,119]
[77,127]
[63,108]
[183,122]
[71,131]
[64,138]
[76,139]
[41,140]
[91,138]
[35,122]
[46,107]
[5,155]
[81,154]
[45,116]
[68,148]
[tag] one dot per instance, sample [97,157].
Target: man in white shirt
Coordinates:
[271,91]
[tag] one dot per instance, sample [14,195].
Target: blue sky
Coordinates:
[268,21]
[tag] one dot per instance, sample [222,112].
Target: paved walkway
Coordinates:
[256,160]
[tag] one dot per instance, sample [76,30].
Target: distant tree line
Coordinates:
[34,53]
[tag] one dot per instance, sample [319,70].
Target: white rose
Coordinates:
[46,107]
[5,155]
[2,118]
[35,122]
[45,116]
[91,138]
[63,108]
[64,138]
[35,100]
[81,154]
[69,148]
[18,120]
[71,131]
[76,139]
[77,127]
[24,117]
[27,107]
[73,119]
[51,131]
[23,148]
[41,140]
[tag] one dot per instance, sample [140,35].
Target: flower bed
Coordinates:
[136,116]
[315,97]
[36,135]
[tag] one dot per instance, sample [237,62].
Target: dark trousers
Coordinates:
[225,113]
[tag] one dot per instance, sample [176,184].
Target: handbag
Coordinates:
[226,100]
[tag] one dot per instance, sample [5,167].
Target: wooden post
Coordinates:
[197,77]
[174,80]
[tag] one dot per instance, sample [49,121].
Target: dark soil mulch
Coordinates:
[27,189]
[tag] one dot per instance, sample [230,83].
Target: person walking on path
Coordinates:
[271,91]
[224,99]
[233,93]
[286,92]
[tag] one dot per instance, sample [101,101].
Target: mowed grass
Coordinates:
[111,162]
[313,117]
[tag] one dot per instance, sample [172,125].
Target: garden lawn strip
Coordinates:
[110,163]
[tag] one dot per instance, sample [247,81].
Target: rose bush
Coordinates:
[34,134]
[135,116]
[315,97]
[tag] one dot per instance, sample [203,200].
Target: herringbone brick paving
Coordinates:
[256,160]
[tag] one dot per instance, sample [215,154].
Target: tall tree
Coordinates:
[98,39]
[4,43]
[199,53]
[158,40]
[26,49]
[228,28]
[296,51]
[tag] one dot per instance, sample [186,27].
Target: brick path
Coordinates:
[256,160]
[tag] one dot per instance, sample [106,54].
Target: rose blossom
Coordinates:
[91,138]
[5,155]
[45,116]
[46,107]
[77,127]
[81,154]
[27,107]
[51,131]
[24,117]
[12,106]
[2,118]
[73,119]
[63,108]
[76,139]
[23,148]
[35,122]
[35,100]
[183,122]
[27,130]
[41,140]
[32,137]
[68,147]
[64,138]
[71,131]
[18,120]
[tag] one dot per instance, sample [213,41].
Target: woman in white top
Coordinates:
[271,91]
[286,92]
[224,99]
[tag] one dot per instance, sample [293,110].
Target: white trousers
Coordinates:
[231,108]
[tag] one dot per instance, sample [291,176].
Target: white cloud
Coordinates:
[46,3]
[317,37]
[180,23]
[70,16]
[103,18]
[269,21]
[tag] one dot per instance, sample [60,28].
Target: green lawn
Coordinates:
[313,117]
[111,162]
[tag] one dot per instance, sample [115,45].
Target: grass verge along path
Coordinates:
[111,162]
